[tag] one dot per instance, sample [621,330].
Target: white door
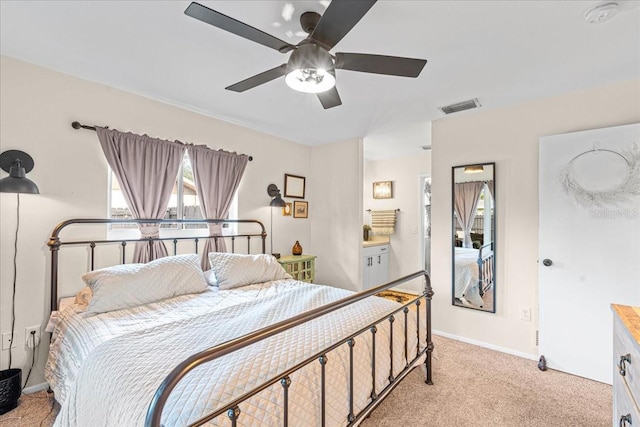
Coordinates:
[589,221]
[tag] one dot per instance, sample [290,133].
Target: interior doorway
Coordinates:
[425,203]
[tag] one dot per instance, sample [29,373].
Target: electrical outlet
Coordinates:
[525,314]
[6,341]
[28,340]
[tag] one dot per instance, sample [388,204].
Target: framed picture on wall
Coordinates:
[286,210]
[300,209]
[383,190]
[294,186]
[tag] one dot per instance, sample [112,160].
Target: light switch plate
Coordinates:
[525,314]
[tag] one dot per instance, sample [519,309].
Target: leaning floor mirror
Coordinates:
[474,236]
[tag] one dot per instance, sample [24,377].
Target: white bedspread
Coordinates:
[467,276]
[104,369]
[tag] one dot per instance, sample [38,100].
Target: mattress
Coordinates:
[105,368]
[466,276]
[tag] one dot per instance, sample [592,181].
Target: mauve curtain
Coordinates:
[146,169]
[217,175]
[490,185]
[465,203]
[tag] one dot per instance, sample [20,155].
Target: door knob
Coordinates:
[547,262]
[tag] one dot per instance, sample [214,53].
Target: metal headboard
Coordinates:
[55,243]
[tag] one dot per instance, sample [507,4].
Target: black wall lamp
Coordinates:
[276,202]
[18,164]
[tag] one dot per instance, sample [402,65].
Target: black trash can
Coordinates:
[10,384]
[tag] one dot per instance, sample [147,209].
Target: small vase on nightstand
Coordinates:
[366,228]
[297,249]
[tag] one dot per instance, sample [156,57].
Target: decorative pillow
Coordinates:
[129,285]
[235,270]
[84,296]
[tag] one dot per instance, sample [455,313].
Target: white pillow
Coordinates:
[234,270]
[130,285]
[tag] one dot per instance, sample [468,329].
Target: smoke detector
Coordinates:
[460,106]
[600,13]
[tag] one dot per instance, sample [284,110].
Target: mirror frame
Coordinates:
[453,238]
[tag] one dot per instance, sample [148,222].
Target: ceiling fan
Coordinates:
[311,68]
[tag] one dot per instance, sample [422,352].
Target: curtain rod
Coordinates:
[397,210]
[78,125]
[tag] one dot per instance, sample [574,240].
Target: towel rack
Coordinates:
[397,210]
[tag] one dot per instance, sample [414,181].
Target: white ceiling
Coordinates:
[501,52]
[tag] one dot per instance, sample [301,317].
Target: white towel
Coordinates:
[383,222]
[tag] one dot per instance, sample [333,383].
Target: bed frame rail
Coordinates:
[55,242]
[485,267]
[232,409]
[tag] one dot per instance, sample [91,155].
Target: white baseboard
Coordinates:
[486,345]
[35,388]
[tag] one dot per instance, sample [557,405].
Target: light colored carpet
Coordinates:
[477,387]
[473,387]
[34,410]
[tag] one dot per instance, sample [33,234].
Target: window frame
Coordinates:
[133,232]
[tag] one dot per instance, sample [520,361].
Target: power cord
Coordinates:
[33,358]
[15,274]
[53,405]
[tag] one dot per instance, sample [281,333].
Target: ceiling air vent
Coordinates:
[460,106]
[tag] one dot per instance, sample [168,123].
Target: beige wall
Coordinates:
[336,212]
[406,244]
[36,109]
[38,105]
[509,137]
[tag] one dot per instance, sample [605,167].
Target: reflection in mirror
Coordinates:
[473,240]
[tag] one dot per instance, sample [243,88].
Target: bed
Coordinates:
[473,274]
[275,351]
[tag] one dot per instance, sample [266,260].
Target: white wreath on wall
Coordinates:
[613,197]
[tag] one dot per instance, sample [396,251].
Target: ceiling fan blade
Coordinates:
[380,64]
[330,98]
[339,18]
[217,19]
[258,79]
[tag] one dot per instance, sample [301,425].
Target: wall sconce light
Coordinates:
[474,169]
[274,192]
[276,202]
[18,164]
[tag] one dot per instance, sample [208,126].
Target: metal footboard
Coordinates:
[233,409]
[485,268]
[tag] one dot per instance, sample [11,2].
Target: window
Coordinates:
[183,204]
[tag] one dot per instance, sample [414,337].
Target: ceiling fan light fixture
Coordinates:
[310,80]
[310,69]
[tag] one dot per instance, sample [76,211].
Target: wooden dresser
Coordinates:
[626,361]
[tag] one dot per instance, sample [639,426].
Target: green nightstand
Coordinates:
[300,267]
